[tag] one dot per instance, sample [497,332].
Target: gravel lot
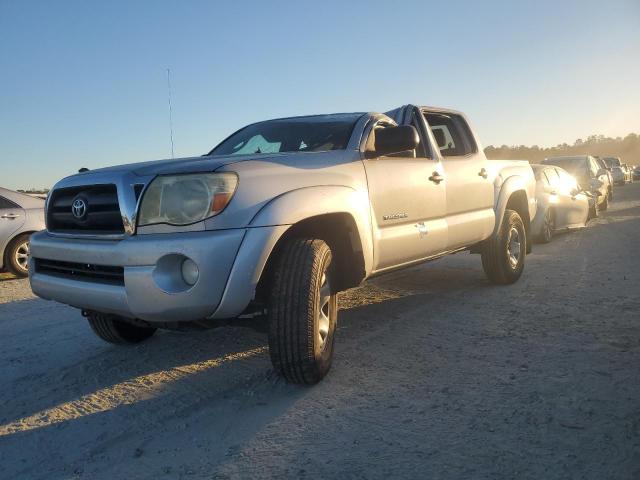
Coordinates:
[437,374]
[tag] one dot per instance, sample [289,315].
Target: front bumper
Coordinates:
[152,288]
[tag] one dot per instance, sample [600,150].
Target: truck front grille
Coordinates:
[88,209]
[81,271]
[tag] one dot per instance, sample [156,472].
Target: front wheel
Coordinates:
[17,256]
[593,210]
[503,254]
[604,204]
[548,227]
[302,311]
[114,329]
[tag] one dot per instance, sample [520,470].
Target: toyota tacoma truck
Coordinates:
[274,222]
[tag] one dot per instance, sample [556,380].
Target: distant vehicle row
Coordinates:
[621,172]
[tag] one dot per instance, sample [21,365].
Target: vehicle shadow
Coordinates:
[6,276]
[60,381]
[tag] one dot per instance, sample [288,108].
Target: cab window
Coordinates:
[452,134]
[419,152]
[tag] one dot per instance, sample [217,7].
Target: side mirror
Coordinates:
[601,172]
[575,192]
[393,140]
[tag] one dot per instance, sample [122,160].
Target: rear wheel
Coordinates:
[503,254]
[17,256]
[548,227]
[604,205]
[302,311]
[114,329]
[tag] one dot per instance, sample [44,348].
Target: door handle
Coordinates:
[436,178]
[10,216]
[483,172]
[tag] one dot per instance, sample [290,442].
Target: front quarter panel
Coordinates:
[304,203]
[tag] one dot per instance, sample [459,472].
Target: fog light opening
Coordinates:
[190,272]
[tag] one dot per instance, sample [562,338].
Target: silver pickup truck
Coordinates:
[274,222]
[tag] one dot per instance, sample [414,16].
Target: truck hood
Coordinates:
[184,165]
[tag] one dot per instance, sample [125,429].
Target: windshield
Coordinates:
[575,166]
[299,134]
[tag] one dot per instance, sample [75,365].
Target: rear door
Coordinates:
[559,199]
[469,183]
[575,205]
[407,208]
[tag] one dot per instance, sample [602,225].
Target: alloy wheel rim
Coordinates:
[22,256]
[514,248]
[324,310]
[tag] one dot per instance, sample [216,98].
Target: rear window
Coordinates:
[452,134]
[576,166]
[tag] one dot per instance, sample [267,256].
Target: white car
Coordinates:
[619,177]
[562,204]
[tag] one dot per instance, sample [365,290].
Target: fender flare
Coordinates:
[301,204]
[273,220]
[508,187]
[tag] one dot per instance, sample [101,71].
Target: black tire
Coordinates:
[610,194]
[604,205]
[296,301]
[114,329]
[497,260]
[15,255]
[593,211]
[548,227]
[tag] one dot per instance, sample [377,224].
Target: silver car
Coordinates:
[562,204]
[20,216]
[619,177]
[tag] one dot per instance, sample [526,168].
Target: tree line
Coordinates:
[627,148]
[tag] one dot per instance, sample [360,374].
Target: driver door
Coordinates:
[407,209]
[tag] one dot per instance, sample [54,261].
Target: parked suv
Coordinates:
[590,177]
[275,221]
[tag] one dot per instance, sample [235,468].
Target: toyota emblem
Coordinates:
[79,208]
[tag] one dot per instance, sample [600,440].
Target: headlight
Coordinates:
[186,199]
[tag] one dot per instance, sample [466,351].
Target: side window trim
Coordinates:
[414,120]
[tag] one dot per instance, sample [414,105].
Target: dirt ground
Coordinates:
[438,374]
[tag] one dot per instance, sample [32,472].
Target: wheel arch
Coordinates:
[513,196]
[339,230]
[338,215]
[5,247]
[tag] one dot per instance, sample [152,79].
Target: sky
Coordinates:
[84,83]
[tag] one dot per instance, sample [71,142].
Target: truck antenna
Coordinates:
[170,113]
